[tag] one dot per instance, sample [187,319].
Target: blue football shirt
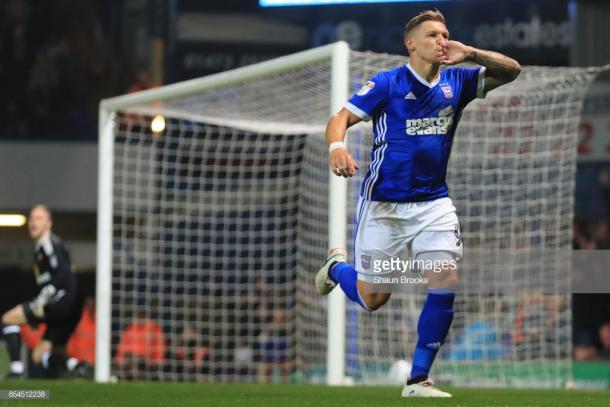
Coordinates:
[414,122]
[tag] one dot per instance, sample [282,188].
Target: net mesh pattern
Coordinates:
[221,221]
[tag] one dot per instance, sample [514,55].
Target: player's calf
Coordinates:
[12,339]
[435,319]
[11,321]
[372,300]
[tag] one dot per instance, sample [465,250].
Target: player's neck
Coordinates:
[42,237]
[428,71]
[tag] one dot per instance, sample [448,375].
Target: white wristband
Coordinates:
[335,145]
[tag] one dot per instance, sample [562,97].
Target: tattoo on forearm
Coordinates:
[497,64]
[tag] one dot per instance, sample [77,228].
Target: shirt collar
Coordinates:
[422,80]
[44,238]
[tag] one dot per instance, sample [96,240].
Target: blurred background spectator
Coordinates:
[274,344]
[604,340]
[141,349]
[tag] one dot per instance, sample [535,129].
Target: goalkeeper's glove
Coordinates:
[44,297]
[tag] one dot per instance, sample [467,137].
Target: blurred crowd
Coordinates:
[527,327]
[247,335]
[531,332]
[591,312]
[54,69]
[592,233]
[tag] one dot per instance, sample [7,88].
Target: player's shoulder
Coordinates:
[458,72]
[396,73]
[452,71]
[387,79]
[399,70]
[390,74]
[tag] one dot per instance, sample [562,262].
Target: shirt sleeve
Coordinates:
[371,96]
[473,83]
[59,264]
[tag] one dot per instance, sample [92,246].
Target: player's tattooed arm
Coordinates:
[500,69]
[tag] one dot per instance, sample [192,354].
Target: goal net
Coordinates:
[210,230]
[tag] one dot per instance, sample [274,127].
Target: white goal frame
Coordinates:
[338,54]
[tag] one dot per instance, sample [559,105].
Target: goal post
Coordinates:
[103,284]
[210,231]
[337,231]
[338,55]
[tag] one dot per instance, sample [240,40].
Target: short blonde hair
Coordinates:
[44,208]
[428,15]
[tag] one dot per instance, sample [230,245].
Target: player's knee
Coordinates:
[449,277]
[8,318]
[441,269]
[445,278]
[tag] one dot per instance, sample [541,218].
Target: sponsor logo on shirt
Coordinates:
[429,125]
[366,88]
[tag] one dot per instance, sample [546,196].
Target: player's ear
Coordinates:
[409,44]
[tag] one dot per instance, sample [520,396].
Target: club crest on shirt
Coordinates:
[366,261]
[446,88]
[366,88]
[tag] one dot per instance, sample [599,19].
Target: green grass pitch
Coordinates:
[149,394]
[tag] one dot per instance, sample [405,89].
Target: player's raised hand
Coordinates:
[454,52]
[342,164]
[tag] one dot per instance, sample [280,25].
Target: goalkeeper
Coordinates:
[58,304]
[404,202]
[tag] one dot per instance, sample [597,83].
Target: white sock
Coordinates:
[45,359]
[17,367]
[11,329]
[71,363]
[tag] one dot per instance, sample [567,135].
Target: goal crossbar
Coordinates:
[193,86]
